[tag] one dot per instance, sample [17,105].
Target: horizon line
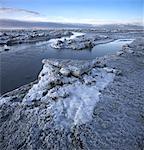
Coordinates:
[84,23]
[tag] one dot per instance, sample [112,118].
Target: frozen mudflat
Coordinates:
[92,103]
[79,105]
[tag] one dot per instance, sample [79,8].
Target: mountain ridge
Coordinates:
[10,23]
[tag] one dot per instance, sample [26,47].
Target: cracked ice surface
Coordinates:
[70,98]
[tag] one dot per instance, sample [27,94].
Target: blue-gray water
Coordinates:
[22,64]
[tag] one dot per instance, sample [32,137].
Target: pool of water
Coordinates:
[22,64]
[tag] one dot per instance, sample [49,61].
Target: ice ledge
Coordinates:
[70,88]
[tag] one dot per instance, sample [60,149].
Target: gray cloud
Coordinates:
[16,10]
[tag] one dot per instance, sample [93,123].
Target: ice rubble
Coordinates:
[12,37]
[70,88]
[59,42]
[79,41]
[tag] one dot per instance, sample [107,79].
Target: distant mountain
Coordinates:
[120,26]
[8,23]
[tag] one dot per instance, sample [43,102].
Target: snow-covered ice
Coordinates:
[57,43]
[71,99]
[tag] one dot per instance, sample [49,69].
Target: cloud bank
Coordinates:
[17,10]
[21,14]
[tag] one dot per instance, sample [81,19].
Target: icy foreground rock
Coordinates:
[71,88]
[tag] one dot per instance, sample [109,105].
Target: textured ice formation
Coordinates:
[59,42]
[71,89]
[79,41]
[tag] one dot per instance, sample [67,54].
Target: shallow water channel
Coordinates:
[22,64]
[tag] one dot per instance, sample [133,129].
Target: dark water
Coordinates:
[22,63]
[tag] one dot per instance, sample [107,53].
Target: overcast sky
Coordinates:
[74,11]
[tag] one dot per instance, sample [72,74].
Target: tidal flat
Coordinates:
[72,89]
